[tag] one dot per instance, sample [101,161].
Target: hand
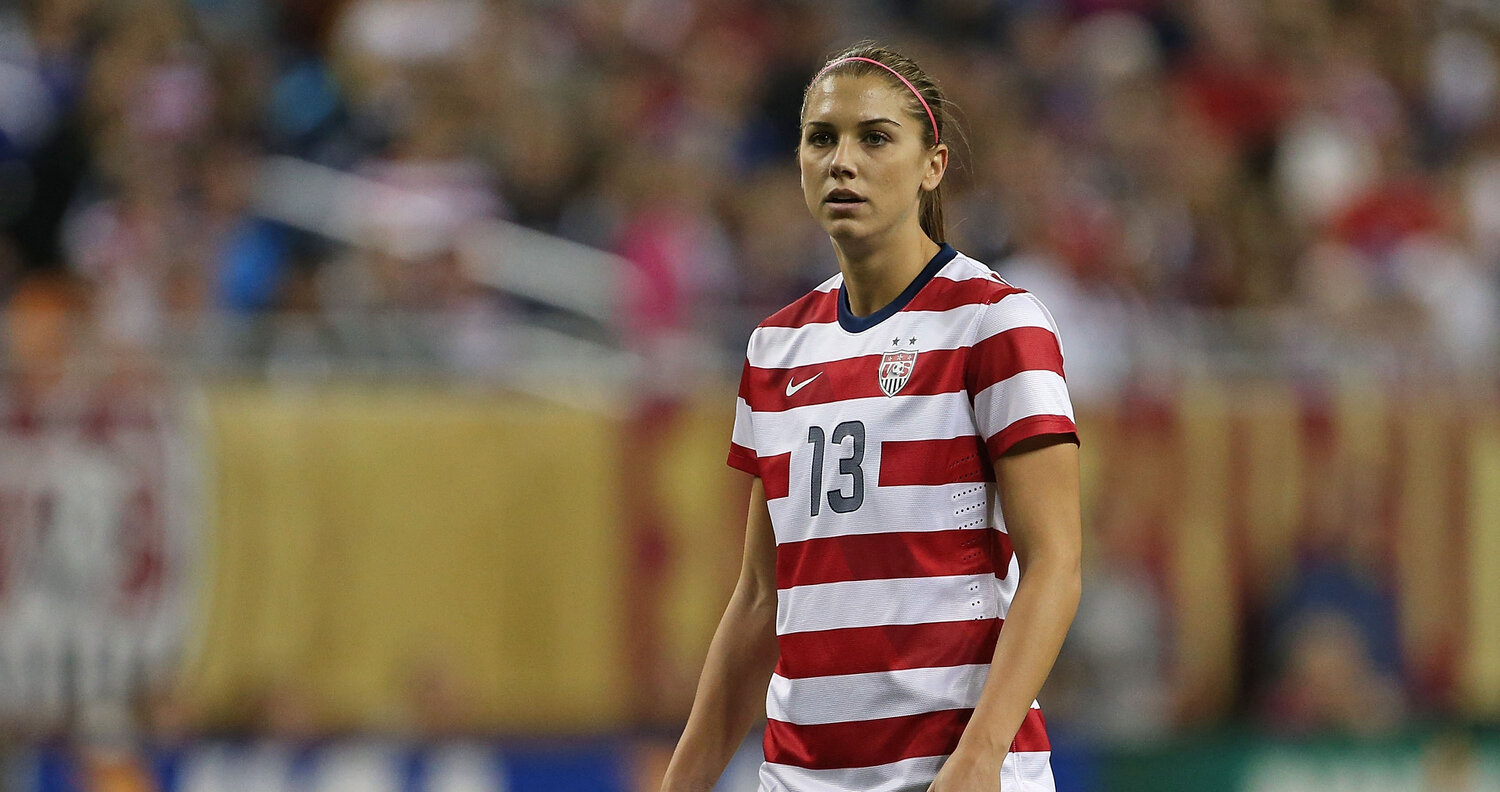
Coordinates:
[967,772]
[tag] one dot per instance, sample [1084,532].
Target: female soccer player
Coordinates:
[916,487]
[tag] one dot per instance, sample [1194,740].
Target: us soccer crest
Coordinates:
[895,370]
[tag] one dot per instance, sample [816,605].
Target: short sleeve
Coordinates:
[742,454]
[1014,375]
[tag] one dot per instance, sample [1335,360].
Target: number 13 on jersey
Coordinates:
[848,466]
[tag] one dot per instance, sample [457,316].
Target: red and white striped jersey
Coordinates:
[874,439]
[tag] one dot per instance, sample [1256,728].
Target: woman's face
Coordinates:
[864,159]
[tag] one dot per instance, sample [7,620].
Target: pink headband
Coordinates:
[930,117]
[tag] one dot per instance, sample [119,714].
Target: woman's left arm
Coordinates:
[1038,484]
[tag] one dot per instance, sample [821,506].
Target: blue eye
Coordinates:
[877,138]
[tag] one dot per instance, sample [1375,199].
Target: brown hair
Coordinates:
[930,212]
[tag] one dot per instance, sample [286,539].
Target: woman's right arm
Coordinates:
[731,693]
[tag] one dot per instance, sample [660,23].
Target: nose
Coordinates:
[841,164]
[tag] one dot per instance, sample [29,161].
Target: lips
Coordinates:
[843,197]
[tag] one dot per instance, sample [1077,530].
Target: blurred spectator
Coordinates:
[93,537]
[440,701]
[133,247]
[43,147]
[248,257]
[1210,154]
[288,710]
[1330,641]
[1328,681]
[1450,764]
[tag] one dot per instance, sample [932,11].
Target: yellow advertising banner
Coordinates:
[437,562]
[410,560]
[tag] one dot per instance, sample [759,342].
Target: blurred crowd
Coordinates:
[1293,173]
[1329,167]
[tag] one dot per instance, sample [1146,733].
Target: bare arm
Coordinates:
[732,690]
[1039,491]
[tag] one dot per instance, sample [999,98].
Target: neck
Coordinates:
[876,274]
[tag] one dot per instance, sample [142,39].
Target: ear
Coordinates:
[937,165]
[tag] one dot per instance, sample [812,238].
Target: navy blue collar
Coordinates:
[859,324]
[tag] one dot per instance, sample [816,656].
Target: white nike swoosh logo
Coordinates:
[791,389]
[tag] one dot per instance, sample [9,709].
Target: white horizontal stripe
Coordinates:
[870,603]
[1005,589]
[784,347]
[1021,395]
[907,775]
[1011,312]
[742,434]
[885,510]
[880,694]
[958,268]
[886,418]
[1027,771]
[963,267]
[1030,771]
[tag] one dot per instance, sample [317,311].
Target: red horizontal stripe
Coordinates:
[940,294]
[933,462]
[861,650]
[1003,552]
[744,392]
[865,743]
[775,475]
[828,746]
[815,307]
[1031,426]
[935,371]
[1032,736]
[884,555]
[1003,355]
[742,458]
